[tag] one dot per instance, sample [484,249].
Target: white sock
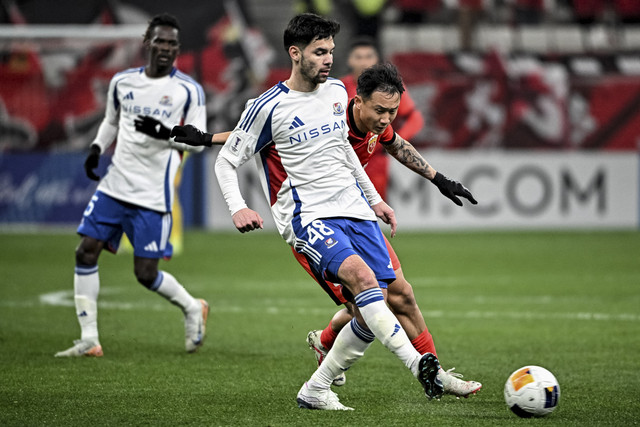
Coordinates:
[386,328]
[167,286]
[350,344]
[86,286]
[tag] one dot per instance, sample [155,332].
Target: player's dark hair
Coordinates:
[383,77]
[364,41]
[307,27]
[163,19]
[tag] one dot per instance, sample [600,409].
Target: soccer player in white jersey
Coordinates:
[322,202]
[136,194]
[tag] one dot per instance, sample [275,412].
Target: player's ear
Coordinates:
[357,101]
[294,53]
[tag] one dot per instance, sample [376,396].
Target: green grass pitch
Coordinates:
[568,301]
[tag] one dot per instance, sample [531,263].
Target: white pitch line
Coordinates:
[65,299]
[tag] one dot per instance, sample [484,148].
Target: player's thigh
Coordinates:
[149,233]
[334,290]
[101,221]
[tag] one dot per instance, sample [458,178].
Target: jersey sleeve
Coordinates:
[109,127]
[195,113]
[251,135]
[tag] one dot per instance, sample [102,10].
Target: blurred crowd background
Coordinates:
[499,76]
[516,73]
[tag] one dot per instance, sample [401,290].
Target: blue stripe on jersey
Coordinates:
[266,135]
[116,102]
[83,270]
[257,102]
[167,185]
[360,332]
[187,78]
[369,296]
[283,87]
[188,103]
[336,82]
[121,76]
[257,106]
[297,220]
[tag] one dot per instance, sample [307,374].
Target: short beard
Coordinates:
[305,71]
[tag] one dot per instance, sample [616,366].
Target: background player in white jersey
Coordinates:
[136,194]
[323,203]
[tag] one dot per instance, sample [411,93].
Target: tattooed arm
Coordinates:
[407,154]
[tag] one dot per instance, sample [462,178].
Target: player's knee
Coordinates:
[364,279]
[85,257]
[146,276]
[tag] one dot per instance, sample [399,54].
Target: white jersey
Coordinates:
[306,162]
[143,168]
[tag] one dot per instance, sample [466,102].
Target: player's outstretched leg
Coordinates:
[455,386]
[315,344]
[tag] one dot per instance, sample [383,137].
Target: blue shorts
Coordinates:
[328,242]
[106,218]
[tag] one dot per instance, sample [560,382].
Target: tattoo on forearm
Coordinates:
[408,155]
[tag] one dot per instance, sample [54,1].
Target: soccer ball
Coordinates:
[532,391]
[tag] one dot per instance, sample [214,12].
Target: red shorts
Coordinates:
[335,289]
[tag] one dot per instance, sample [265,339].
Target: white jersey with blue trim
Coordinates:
[143,168]
[301,137]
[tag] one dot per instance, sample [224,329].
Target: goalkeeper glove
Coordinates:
[191,135]
[451,189]
[152,127]
[92,162]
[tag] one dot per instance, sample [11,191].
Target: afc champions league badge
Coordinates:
[338,109]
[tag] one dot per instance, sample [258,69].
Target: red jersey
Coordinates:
[364,144]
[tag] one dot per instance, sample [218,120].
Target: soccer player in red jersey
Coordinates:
[364,53]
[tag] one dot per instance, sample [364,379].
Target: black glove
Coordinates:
[191,135]
[451,189]
[152,127]
[92,162]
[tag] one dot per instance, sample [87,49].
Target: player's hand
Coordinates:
[386,214]
[247,220]
[92,162]
[191,135]
[152,127]
[450,188]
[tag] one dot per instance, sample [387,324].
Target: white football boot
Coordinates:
[89,348]
[455,386]
[195,325]
[313,339]
[324,399]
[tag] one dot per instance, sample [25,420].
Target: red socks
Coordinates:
[424,343]
[327,337]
